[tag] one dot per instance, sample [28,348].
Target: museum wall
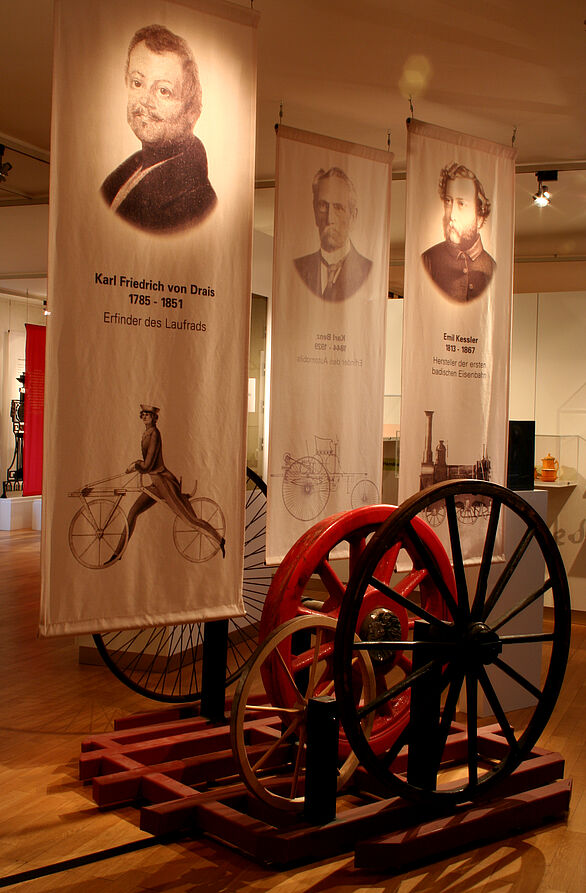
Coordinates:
[23,241]
[14,314]
[548,383]
[23,256]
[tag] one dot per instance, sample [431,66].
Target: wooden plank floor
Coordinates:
[50,702]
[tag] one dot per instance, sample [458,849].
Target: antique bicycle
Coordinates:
[99,529]
[164,663]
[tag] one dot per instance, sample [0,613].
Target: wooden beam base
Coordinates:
[178,768]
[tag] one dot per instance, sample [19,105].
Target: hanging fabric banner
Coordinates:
[330,286]
[34,403]
[149,292]
[457,316]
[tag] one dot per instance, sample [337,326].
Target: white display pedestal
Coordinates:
[20,513]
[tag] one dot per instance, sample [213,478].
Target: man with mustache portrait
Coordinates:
[337,270]
[460,266]
[164,186]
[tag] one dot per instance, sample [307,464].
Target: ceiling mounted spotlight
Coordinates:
[5,166]
[543,196]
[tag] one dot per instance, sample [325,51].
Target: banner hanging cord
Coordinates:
[514,137]
[411,106]
[388,140]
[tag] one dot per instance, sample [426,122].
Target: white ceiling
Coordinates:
[346,68]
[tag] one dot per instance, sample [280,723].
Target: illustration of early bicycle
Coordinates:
[309,481]
[98,532]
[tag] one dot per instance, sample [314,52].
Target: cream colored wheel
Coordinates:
[269,739]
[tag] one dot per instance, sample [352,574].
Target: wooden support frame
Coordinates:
[182,775]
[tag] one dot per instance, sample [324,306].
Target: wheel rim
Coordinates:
[311,554]
[198,544]
[306,488]
[271,757]
[96,531]
[470,650]
[364,493]
[164,662]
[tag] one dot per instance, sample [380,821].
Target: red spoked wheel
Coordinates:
[330,550]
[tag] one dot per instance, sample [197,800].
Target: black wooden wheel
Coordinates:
[495,662]
[164,663]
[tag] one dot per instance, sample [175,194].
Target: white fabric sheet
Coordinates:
[457,319]
[327,346]
[148,309]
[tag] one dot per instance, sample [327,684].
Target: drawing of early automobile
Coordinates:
[99,529]
[309,481]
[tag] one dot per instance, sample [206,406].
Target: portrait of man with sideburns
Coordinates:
[164,186]
[460,266]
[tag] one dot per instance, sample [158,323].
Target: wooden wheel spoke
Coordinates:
[298,760]
[513,612]
[406,603]
[527,638]
[518,677]
[429,562]
[309,656]
[391,755]
[397,645]
[449,711]
[486,561]
[335,588]
[386,566]
[410,582]
[357,547]
[287,671]
[271,709]
[315,660]
[497,709]
[397,689]
[472,728]
[457,558]
[508,571]
[291,728]
[328,688]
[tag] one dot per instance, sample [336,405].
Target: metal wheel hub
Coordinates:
[480,644]
[472,646]
[381,624]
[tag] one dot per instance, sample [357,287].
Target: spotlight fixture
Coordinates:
[5,166]
[543,196]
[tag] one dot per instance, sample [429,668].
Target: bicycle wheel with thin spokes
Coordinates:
[492,660]
[195,543]
[98,530]
[305,488]
[164,662]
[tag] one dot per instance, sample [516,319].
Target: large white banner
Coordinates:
[457,319]
[330,286]
[152,164]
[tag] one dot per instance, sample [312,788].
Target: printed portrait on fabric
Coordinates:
[164,186]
